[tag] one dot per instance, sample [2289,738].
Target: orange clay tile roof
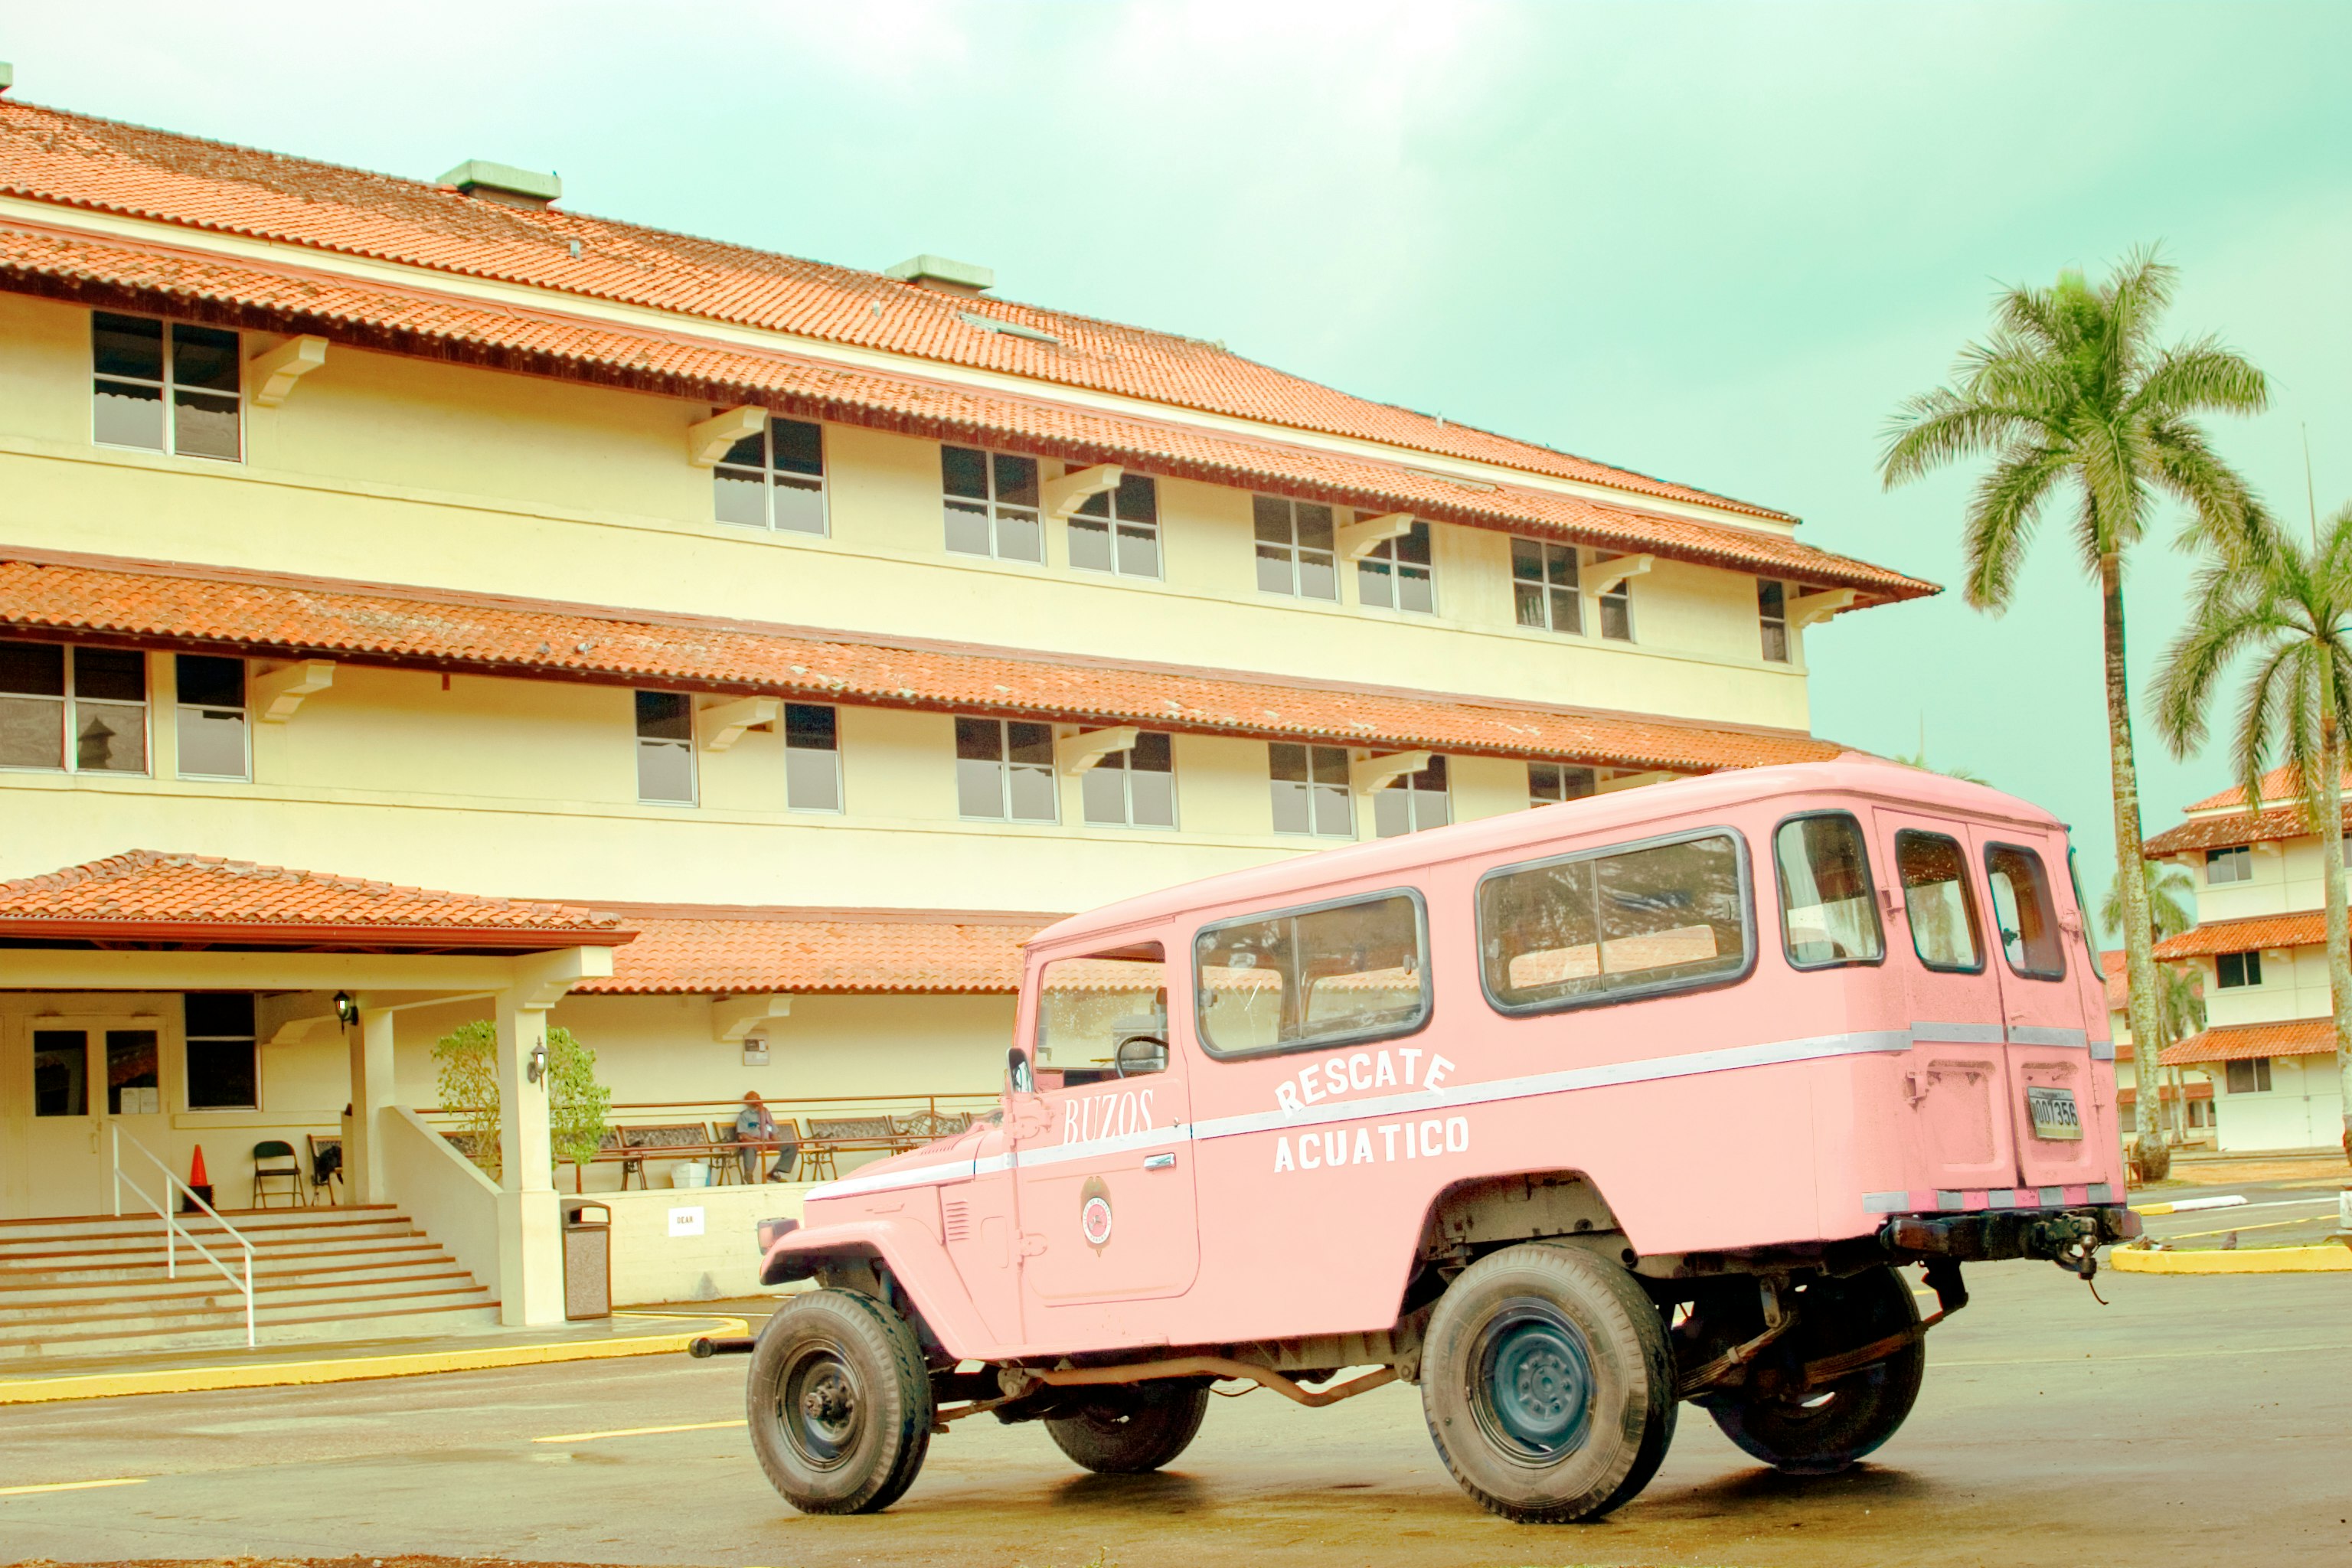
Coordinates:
[2231,828]
[2279,784]
[253,614]
[2118,983]
[731,950]
[146,896]
[75,160]
[2201,1089]
[2240,1042]
[2308,929]
[416,322]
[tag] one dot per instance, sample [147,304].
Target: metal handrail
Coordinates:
[173,1230]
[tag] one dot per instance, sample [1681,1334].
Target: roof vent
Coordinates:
[946,276]
[1009,329]
[504,183]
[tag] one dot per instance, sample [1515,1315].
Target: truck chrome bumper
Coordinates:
[1990,1236]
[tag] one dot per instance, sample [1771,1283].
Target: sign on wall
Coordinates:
[686,1222]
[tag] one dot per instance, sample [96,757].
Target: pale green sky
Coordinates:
[1716,243]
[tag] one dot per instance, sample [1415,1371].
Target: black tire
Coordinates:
[839,1402]
[1128,1431]
[1547,1383]
[1826,1430]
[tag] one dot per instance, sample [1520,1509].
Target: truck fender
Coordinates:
[1529,1207]
[915,1259]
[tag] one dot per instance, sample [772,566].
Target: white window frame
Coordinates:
[1119,764]
[995,510]
[1314,829]
[1005,770]
[2239,857]
[644,741]
[1417,798]
[1101,512]
[183,710]
[68,703]
[1294,553]
[734,466]
[2249,966]
[784,729]
[1560,772]
[1369,569]
[2258,1068]
[168,388]
[1771,617]
[1548,587]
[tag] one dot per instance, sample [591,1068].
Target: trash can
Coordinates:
[587,1259]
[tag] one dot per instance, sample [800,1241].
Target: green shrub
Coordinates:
[467,1081]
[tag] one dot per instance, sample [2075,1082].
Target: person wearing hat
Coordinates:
[755,1128]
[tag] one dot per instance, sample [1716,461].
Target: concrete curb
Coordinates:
[2327,1258]
[355,1369]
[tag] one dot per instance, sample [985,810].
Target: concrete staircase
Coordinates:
[95,1287]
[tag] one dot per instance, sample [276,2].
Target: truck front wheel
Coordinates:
[1820,1431]
[839,1402]
[1548,1384]
[1128,1431]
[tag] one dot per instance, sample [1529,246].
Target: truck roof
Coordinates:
[1296,880]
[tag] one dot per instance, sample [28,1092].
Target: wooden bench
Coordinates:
[829,1135]
[684,1139]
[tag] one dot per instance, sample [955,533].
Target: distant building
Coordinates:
[2187,1094]
[2261,947]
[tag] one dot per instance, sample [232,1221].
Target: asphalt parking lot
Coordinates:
[2190,1421]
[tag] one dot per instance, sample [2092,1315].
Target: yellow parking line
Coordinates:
[74,1486]
[2266,1225]
[635,1432]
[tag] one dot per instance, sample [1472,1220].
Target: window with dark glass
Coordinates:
[212,728]
[991,504]
[60,1072]
[166,386]
[222,1071]
[1345,972]
[812,757]
[1295,543]
[775,479]
[666,748]
[1609,923]
[1411,801]
[1544,590]
[1117,530]
[79,710]
[1549,783]
[1936,902]
[2234,970]
[1396,573]
[1134,788]
[1310,789]
[135,1083]
[1829,914]
[1005,770]
[2251,1075]
[2022,910]
[1772,613]
[2235,864]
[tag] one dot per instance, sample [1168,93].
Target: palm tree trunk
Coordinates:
[2131,877]
[2331,850]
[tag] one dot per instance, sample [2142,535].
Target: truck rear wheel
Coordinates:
[1128,1431]
[1548,1384]
[1819,1432]
[839,1402]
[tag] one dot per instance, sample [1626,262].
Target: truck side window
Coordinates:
[2022,909]
[1943,918]
[1319,976]
[1593,927]
[1828,913]
[1089,1010]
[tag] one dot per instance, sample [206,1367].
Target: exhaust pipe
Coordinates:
[704,1346]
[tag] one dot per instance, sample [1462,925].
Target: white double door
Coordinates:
[65,1080]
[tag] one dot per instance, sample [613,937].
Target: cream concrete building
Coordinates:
[2260,946]
[780,643]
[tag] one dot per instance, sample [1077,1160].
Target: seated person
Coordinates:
[755,1128]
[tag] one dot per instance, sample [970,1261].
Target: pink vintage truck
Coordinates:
[1566,1117]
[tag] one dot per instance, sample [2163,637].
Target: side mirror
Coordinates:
[1018,1078]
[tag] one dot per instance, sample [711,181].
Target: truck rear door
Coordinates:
[2048,1052]
[1957,1082]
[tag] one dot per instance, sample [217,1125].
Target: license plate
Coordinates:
[2054,1113]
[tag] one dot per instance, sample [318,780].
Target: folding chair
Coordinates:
[267,1156]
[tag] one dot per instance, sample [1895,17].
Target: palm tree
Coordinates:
[2179,1007]
[2071,394]
[2292,612]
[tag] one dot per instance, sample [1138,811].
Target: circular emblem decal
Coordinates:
[1094,1214]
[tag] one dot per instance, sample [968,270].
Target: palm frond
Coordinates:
[1939,427]
[2001,519]
[2201,377]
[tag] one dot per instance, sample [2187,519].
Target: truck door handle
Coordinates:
[1159,1161]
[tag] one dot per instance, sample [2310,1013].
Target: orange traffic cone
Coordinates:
[196,1175]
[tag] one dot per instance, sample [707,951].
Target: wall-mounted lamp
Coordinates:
[347,1012]
[535,1070]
